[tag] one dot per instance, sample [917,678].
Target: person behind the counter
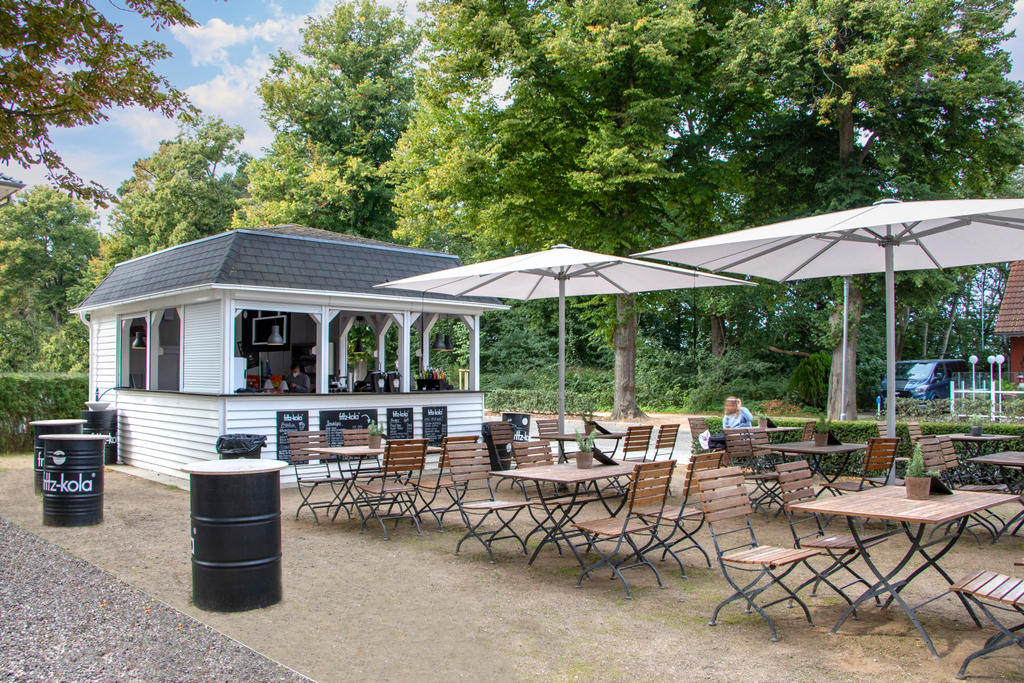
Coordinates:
[298,381]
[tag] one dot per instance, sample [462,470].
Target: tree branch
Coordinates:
[802,354]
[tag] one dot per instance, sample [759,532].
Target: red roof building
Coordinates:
[1010,322]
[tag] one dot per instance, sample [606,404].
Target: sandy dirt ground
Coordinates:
[357,607]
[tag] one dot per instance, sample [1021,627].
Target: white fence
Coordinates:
[981,397]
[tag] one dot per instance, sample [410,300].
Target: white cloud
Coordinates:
[146,128]
[208,43]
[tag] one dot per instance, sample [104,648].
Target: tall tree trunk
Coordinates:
[717,335]
[949,326]
[624,343]
[902,324]
[836,401]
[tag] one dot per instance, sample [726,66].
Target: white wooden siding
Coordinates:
[162,431]
[202,344]
[258,414]
[103,348]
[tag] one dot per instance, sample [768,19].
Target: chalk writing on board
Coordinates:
[435,424]
[289,421]
[400,424]
[333,421]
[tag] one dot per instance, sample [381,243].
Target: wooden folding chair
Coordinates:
[637,443]
[676,520]
[810,530]
[914,430]
[939,456]
[531,454]
[434,483]
[474,497]
[546,428]
[665,441]
[878,459]
[645,500]
[751,450]
[351,467]
[727,509]
[993,593]
[698,425]
[312,470]
[808,431]
[392,494]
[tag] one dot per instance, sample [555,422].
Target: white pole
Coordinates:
[561,356]
[890,338]
[846,315]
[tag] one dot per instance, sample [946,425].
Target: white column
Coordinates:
[427,322]
[404,341]
[346,327]
[228,319]
[323,346]
[473,323]
[382,323]
[153,349]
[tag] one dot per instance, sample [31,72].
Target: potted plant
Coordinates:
[374,435]
[587,415]
[918,483]
[821,430]
[585,457]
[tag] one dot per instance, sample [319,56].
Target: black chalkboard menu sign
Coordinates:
[333,421]
[289,421]
[435,424]
[400,423]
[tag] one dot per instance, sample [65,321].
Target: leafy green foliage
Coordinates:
[337,110]
[65,65]
[188,189]
[915,468]
[809,382]
[46,241]
[42,396]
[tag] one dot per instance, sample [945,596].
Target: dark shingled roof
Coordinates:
[1011,309]
[8,180]
[286,256]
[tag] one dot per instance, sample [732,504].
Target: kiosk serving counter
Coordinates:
[179,339]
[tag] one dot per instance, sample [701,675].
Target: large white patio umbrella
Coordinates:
[559,271]
[887,236]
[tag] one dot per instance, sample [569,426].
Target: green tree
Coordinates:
[64,64]
[188,189]
[551,122]
[873,98]
[46,241]
[337,108]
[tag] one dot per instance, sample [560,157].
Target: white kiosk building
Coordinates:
[187,342]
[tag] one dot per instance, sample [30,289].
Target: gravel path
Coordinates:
[63,619]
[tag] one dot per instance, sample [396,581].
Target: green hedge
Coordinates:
[862,430]
[39,396]
[543,401]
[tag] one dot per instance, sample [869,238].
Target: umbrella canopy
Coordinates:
[887,236]
[559,272]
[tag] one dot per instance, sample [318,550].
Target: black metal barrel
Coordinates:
[40,427]
[72,479]
[236,534]
[103,422]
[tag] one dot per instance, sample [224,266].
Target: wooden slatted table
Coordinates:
[817,454]
[559,514]
[563,438]
[1012,463]
[974,444]
[914,516]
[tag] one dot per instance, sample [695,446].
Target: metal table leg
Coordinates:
[888,584]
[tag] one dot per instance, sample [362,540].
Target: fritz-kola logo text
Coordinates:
[63,484]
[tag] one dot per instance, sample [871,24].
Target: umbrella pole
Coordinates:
[846,314]
[561,356]
[890,351]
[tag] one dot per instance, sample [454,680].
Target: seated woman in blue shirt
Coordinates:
[735,417]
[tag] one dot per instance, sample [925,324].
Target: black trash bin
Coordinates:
[103,422]
[73,479]
[520,425]
[501,458]
[232,446]
[236,533]
[41,427]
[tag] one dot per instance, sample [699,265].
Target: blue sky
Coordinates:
[219,64]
